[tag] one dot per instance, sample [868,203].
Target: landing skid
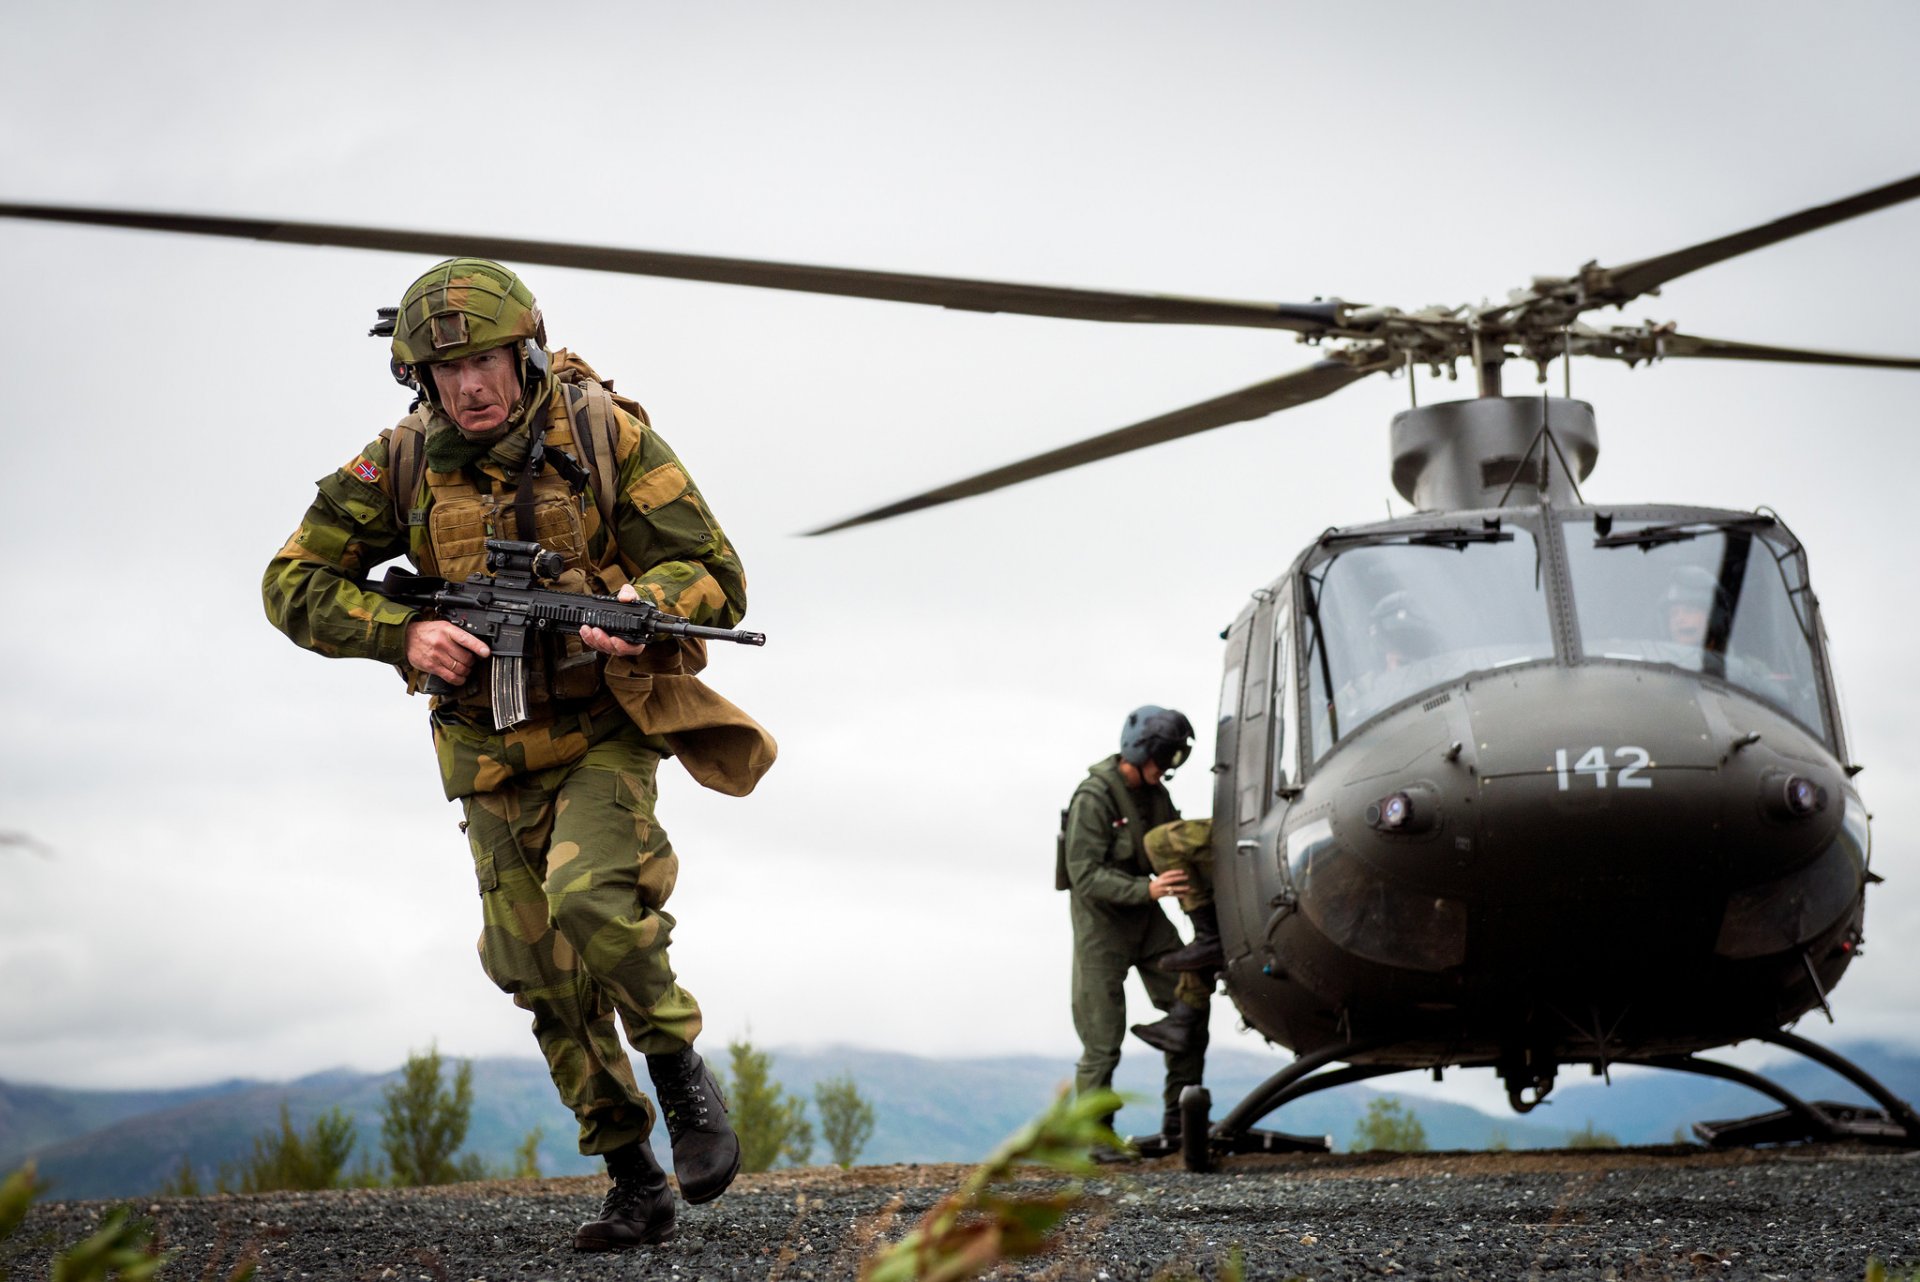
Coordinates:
[1797,1121]
[1800,1121]
[1197,1145]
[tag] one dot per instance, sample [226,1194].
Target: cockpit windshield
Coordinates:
[1387,619]
[1720,598]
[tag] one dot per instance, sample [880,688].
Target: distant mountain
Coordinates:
[102,1144]
[139,1151]
[33,1117]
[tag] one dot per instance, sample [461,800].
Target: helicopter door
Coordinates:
[1250,761]
[1226,744]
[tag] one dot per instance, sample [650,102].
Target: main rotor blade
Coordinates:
[1630,280]
[1722,349]
[1258,401]
[942,291]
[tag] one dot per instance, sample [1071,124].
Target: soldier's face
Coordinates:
[478,391]
[1687,624]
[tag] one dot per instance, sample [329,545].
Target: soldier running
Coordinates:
[510,440]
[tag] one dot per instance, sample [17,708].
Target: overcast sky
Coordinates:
[249,869]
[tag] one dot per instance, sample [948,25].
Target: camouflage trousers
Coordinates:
[1104,949]
[1188,844]
[574,877]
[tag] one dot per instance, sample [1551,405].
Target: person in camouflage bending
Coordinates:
[1186,846]
[509,440]
[1116,924]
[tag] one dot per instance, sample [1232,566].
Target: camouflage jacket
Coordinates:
[1105,844]
[663,540]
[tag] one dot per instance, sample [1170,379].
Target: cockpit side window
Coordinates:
[1385,621]
[1727,600]
[1286,702]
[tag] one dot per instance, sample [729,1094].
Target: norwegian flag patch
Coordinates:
[367,470]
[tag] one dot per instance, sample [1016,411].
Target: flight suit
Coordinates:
[1116,924]
[573,869]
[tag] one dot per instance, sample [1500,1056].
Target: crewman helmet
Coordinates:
[1694,585]
[1398,626]
[1160,735]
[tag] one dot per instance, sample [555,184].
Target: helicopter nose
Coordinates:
[1646,807]
[1595,781]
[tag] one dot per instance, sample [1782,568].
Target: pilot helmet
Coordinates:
[1693,585]
[1160,735]
[1396,624]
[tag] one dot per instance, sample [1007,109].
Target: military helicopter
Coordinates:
[1516,781]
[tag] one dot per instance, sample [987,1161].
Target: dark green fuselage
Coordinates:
[1599,859]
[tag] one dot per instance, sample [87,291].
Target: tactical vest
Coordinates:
[451,515]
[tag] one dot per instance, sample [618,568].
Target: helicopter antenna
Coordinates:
[1573,478]
[1813,977]
[1543,433]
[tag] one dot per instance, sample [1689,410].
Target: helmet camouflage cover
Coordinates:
[463,306]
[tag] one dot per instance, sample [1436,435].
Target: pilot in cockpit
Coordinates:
[1402,642]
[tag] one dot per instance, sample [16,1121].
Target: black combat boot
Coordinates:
[1107,1154]
[639,1207]
[706,1152]
[1204,953]
[1183,1026]
[1166,1142]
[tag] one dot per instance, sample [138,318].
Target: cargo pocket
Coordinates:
[483,868]
[636,799]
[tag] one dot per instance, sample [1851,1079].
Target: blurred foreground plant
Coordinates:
[974,1227]
[122,1247]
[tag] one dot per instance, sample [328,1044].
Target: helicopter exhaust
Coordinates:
[1494,451]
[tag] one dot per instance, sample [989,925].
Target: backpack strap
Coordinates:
[596,432]
[406,461]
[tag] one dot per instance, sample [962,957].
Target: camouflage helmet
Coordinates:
[463,306]
[1160,735]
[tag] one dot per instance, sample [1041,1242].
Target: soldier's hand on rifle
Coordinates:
[448,652]
[1171,882]
[599,639]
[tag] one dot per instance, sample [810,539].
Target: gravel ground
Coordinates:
[1805,1213]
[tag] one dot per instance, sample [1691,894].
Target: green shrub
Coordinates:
[1389,1126]
[288,1159]
[770,1123]
[846,1118]
[423,1123]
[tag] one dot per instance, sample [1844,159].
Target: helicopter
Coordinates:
[1516,781]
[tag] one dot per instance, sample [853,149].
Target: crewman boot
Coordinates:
[706,1152]
[1163,1143]
[1107,1154]
[639,1207]
[1205,952]
[1179,1031]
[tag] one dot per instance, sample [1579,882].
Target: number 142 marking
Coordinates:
[1594,762]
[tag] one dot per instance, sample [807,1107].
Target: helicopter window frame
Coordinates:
[1588,529]
[1252,756]
[1314,661]
[1286,695]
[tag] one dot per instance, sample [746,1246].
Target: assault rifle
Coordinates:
[508,608]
